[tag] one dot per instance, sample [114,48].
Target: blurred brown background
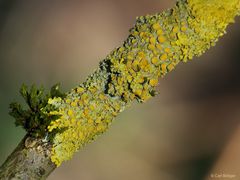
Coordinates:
[179,135]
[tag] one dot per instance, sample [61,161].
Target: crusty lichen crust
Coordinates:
[156,44]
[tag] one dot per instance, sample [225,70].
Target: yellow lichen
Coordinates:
[161,39]
[163,57]
[155,60]
[156,45]
[153,82]
[156,26]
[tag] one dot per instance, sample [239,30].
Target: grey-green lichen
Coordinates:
[156,44]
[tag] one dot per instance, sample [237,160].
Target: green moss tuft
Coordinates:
[35,119]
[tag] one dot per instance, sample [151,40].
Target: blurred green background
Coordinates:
[177,135]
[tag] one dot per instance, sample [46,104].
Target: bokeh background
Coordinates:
[179,135]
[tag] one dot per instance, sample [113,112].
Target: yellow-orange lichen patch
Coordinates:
[161,39]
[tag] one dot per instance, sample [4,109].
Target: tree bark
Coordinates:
[30,160]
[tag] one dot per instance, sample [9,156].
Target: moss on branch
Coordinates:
[37,117]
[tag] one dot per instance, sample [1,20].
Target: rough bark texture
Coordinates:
[30,160]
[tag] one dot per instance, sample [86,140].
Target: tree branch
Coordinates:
[30,160]
[156,44]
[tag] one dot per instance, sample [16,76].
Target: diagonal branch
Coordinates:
[156,44]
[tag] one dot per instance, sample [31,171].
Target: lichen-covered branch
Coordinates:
[154,47]
[156,44]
